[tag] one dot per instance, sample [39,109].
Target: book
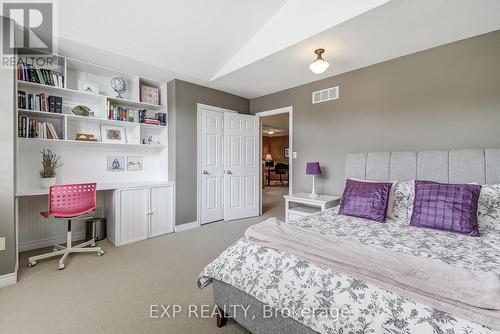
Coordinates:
[151,121]
[21,99]
[59,101]
[53,131]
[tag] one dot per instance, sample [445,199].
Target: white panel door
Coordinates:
[212,165]
[162,211]
[241,180]
[133,215]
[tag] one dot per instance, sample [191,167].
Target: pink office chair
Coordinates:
[69,201]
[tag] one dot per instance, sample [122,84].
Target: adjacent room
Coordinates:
[266,166]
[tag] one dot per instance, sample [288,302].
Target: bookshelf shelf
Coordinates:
[134,104]
[65,92]
[40,114]
[100,120]
[153,126]
[29,141]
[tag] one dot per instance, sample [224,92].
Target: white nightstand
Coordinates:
[301,205]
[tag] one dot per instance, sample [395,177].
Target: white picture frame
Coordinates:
[135,164]
[115,163]
[88,86]
[113,134]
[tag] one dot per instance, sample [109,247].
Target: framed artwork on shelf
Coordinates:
[150,94]
[134,164]
[113,134]
[115,163]
[88,86]
[286,152]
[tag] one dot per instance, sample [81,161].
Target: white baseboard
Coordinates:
[8,279]
[185,227]
[49,242]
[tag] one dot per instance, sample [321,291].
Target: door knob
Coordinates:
[229,172]
[205,172]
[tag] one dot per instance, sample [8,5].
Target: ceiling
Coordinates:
[278,124]
[254,48]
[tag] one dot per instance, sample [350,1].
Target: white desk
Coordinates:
[100,186]
[145,207]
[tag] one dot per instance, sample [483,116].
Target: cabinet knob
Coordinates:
[229,172]
[205,172]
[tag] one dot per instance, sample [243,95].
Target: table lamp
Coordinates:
[313,168]
[269,160]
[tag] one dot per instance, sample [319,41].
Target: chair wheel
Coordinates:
[31,264]
[61,266]
[100,253]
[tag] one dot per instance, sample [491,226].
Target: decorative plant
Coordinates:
[50,162]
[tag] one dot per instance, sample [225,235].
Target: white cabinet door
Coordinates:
[162,211]
[242,163]
[133,215]
[212,165]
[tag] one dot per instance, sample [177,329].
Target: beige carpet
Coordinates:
[113,293]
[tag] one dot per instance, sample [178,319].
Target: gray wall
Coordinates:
[182,103]
[446,97]
[7,223]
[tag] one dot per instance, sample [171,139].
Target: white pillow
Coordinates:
[404,194]
[390,203]
[488,207]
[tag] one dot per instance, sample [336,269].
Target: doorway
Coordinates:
[276,155]
[227,165]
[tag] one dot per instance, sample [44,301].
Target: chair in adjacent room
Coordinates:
[67,202]
[281,170]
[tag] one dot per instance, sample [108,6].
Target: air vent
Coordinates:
[325,95]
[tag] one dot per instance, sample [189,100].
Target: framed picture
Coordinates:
[113,134]
[115,164]
[134,164]
[88,86]
[286,152]
[150,94]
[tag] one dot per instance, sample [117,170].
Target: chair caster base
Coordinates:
[31,264]
[100,253]
[61,266]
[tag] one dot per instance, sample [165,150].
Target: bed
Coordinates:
[269,279]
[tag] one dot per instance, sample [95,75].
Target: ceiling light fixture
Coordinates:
[270,132]
[319,65]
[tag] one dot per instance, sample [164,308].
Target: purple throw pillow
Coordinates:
[365,199]
[448,207]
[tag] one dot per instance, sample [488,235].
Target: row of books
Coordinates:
[118,113]
[39,102]
[32,128]
[159,119]
[39,75]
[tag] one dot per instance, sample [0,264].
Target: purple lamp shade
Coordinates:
[313,168]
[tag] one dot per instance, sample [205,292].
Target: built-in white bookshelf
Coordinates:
[86,160]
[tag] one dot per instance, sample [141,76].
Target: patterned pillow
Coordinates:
[448,207]
[404,193]
[488,209]
[365,200]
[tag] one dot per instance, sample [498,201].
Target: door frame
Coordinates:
[199,107]
[273,112]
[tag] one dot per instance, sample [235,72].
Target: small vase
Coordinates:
[46,182]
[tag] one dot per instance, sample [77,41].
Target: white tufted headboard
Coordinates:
[455,166]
